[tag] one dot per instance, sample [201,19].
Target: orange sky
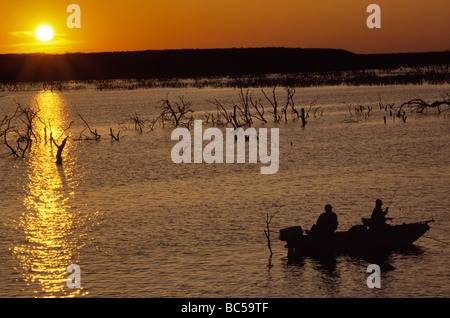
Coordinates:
[406,26]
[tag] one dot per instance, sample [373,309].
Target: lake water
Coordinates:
[139,225]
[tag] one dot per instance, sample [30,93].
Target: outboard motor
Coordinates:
[291,233]
[292,236]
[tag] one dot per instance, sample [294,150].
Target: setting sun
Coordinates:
[44,33]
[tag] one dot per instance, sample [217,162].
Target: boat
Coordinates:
[358,239]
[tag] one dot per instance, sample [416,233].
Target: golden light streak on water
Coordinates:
[49,223]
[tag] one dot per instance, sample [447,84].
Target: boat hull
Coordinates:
[359,239]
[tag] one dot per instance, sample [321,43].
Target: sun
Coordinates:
[44,33]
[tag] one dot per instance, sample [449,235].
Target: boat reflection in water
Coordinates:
[49,224]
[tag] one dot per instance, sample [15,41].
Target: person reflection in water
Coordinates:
[326,224]
[378,217]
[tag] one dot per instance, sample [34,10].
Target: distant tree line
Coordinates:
[245,64]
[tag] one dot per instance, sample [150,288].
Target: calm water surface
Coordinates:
[139,225]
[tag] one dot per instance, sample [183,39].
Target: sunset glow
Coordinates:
[407,26]
[210,150]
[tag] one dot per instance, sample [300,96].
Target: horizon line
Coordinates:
[228,48]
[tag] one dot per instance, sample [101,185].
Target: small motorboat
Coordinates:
[358,239]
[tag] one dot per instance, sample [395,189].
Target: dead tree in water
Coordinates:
[259,108]
[230,117]
[114,137]
[243,107]
[420,105]
[302,116]
[60,147]
[138,123]
[290,101]
[402,114]
[349,107]
[268,219]
[274,103]
[5,129]
[311,105]
[95,135]
[19,128]
[216,119]
[176,111]
[290,92]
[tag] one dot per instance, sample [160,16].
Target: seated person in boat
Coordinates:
[378,217]
[326,224]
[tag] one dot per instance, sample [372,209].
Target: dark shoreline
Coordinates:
[333,66]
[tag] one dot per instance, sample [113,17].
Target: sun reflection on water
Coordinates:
[49,224]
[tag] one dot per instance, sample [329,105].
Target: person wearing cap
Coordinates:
[327,222]
[378,217]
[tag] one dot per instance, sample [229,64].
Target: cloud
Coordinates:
[28,43]
[22,34]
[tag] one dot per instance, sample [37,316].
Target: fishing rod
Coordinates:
[392,199]
[432,238]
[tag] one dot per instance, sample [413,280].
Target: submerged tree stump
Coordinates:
[59,159]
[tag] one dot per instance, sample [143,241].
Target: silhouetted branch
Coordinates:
[274,103]
[176,110]
[259,108]
[268,219]
[420,105]
[138,122]
[311,105]
[19,127]
[243,108]
[230,117]
[290,92]
[95,135]
[114,137]
[349,107]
